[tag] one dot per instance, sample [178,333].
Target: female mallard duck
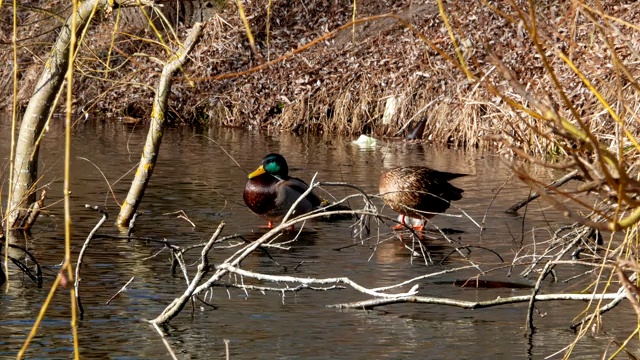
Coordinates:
[418,192]
[270,191]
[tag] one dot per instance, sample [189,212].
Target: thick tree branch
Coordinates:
[156,129]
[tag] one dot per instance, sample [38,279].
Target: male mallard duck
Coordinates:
[418,192]
[270,191]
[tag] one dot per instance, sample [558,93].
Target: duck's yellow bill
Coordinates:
[258,171]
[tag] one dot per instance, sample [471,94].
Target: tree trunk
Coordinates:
[156,128]
[41,105]
[37,113]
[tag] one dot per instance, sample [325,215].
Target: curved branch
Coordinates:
[76,285]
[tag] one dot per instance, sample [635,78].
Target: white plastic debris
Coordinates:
[365,141]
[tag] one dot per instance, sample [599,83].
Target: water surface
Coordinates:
[197,179]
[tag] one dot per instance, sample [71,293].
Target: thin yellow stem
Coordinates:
[155,29]
[605,16]
[43,310]
[66,188]
[67,264]
[353,20]
[247,27]
[600,98]
[113,41]
[452,36]
[14,121]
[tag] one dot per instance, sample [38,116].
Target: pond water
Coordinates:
[196,177]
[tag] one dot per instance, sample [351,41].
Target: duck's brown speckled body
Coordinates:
[418,191]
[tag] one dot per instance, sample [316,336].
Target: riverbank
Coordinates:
[378,77]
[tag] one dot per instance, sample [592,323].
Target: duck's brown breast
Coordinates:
[260,194]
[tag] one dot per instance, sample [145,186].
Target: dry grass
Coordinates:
[343,84]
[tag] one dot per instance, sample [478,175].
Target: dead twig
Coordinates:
[124,288]
[85,246]
[37,277]
[556,183]
[534,294]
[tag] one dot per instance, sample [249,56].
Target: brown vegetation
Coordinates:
[346,83]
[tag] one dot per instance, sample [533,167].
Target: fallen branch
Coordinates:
[231,263]
[203,268]
[370,304]
[309,281]
[283,289]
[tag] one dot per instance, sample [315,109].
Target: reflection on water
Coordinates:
[196,180]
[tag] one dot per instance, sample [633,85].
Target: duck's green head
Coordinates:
[274,164]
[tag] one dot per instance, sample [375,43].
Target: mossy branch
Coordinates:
[156,128]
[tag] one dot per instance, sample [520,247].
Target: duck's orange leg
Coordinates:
[399,226]
[411,222]
[420,228]
[269,226]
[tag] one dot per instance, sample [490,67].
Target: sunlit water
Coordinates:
[195,178]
